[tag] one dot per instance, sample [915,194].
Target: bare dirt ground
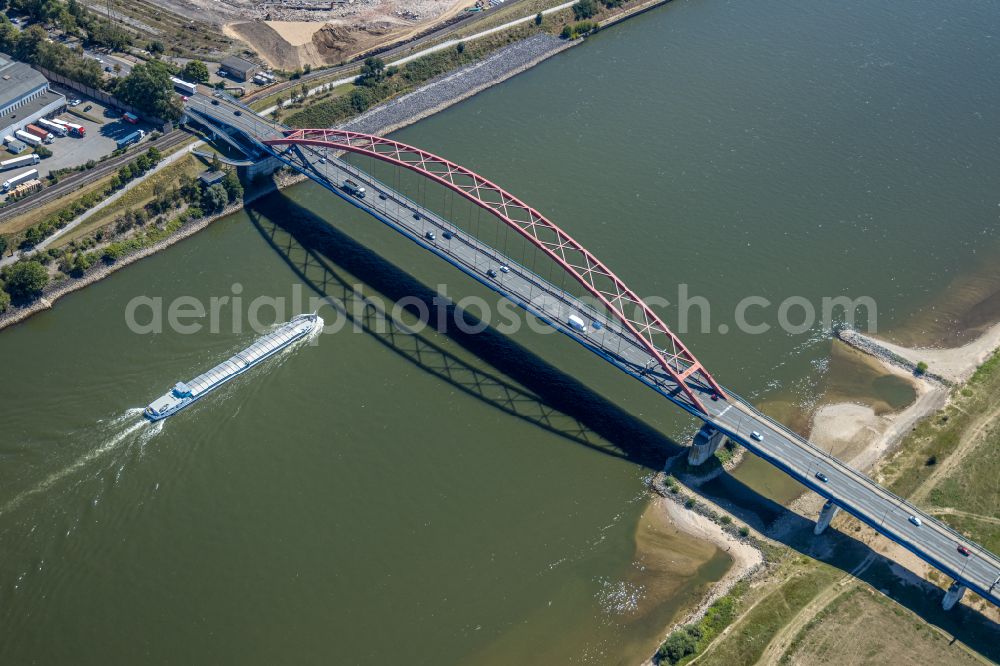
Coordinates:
[289,37]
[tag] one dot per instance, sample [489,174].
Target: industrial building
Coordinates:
[238,68]
[24,96]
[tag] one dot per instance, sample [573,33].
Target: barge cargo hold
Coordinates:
[184,393]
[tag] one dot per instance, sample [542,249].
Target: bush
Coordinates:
[43,152]
[744,531]
[725,519]
[921,368]
[689,503]
[678,645]
[538,18]
[930,462]
[4,301]
[584,9]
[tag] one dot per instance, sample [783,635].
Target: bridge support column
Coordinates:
[952,596]
[705,444]
[825,516]
[260,169]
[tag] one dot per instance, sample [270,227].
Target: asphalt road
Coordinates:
[932,541]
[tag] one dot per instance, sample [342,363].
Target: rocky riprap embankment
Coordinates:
[453,87]
[863,343]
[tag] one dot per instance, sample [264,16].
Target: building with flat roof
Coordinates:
[238,68]
[24,96]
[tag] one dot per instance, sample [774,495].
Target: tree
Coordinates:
[232,185]
[156,48]
[216,162]
[304,89]
[921,368]
[538,18]
[3,245]
[195,71]
[149,88]
[4,301]
[372,72]
[214,198]
[460,47]
[584,9]
[26,280]
[43,152]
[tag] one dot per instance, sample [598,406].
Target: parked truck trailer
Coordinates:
[134,137]
[42,134]
[28,138]
[14,163]
[56,128]
[74,129]
[183,86]
[19,178]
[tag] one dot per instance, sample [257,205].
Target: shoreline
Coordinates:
[418,111]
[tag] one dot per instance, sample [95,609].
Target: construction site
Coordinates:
[293,34]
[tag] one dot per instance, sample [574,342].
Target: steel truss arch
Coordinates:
[649,330]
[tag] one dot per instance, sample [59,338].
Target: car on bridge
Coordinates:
[430,235]
[915,520]
[756,436]
[822,477]
[964,551]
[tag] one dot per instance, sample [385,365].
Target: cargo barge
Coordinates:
[184,393]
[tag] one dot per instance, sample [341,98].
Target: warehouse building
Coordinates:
[238,68]
[24,96]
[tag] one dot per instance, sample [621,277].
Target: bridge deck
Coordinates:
[933,541]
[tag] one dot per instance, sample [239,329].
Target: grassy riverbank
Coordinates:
[802,610]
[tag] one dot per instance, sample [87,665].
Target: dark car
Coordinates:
[448,234]
[215,102]
[416,216]
[822,477]
[88,107]
[430,236]
[965,551]
[381,195]
[237,112]
[492,273]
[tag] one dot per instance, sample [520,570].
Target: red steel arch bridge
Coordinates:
[618,326]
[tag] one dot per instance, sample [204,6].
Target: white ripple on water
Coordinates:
[112,442]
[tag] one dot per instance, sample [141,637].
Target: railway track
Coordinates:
[77,180]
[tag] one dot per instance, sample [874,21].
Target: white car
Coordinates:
[505,268]
[75,102]
[756,436]
[915,520]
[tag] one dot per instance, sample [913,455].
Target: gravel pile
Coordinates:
[450,88]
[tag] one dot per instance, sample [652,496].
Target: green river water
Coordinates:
[442,498]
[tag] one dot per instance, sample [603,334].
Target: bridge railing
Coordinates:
[802,441]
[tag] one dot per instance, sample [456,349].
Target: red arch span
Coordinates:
[668,350]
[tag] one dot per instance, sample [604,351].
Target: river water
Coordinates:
[442,497]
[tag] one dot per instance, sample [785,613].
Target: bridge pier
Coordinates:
[953,595]
[705,444]
[259,169]
[825,516]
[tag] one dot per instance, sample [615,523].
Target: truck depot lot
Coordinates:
[101,138]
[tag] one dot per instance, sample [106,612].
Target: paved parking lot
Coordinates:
[101,138]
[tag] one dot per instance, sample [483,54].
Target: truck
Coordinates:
[19,178]
[134,137]
[28,138]
[14,163]
[577,324]
[56,128]
[183,86]
[42,134]
[130,118]
[74,129]
[354,189]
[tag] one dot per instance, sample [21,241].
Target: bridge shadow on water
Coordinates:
[527,387]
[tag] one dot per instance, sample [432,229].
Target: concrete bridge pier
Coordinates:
[705,444]
[825,516]
[259,169]
[953,596]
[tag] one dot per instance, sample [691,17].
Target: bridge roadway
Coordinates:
[932,541]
